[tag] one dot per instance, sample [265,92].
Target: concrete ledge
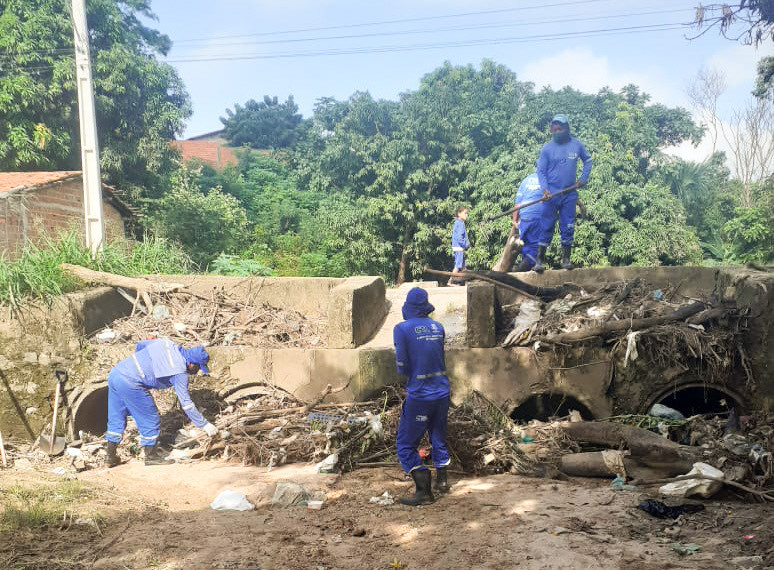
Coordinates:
[480,332]
[303,294]
[356,309]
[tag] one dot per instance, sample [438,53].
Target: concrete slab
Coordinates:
[450,307]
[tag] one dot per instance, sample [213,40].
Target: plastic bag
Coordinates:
[231,501]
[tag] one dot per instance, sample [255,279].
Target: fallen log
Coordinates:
[144,287]
[627,324]
[646,447]
[610,462]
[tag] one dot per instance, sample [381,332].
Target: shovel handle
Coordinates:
[53,421]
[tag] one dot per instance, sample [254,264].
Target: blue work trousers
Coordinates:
[529,232]
[126,398]
[562,206]
[418,417]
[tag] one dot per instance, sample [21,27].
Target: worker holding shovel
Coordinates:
[419,354]
[156,364]
[558,170]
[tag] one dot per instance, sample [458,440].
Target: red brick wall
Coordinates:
[47,211]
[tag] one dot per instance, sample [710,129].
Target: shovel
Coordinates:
[53,445]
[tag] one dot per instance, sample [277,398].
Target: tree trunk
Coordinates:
[510,253]
[625,324]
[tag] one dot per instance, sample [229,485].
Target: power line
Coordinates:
[487,26]
[400,21]
[438,45]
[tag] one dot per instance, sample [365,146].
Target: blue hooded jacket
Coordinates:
[529,190]
[419,351]
[557,166]
[161,363]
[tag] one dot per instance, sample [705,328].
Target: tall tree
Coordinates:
[140,102]
[263,124]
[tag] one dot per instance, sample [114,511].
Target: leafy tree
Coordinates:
[751,230]
[140,102]
[206,224]
[263,124]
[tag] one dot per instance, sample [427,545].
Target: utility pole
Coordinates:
[92,182]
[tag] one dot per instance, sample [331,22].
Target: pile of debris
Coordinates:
[219,320]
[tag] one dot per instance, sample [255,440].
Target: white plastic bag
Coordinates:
[695,487]
[231,501]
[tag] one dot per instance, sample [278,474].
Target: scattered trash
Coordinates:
[619,484]
[658,294]
[748,536]
[314,505]
[59,471]
[328,465]
[383,499]
[524,323]
[180,327]
[695,487]
[631,348]
[160,312]
[662,411]
[106,335]
[661,511]
[737,444]
[231,501]
[685,549]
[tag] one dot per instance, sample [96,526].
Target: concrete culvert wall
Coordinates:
[693,399]
[90,411]
[544,406]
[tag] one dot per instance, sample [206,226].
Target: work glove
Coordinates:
[210,429]
[546,194]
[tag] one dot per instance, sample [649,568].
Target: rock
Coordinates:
[747,561]
[288,494]
[44,359]
[6,364]
[30,357]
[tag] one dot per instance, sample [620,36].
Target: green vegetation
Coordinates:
[30,508]
[37,273]
[363,186]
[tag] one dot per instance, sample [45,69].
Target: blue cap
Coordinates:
[197,355]
[560,118]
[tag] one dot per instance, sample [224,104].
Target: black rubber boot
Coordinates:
[441,481]
[153,457]
[540,266]
[423,494]
[525,265]
[112,454]
[566,252]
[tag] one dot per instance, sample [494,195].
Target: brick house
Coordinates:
[36,204]
[210,148]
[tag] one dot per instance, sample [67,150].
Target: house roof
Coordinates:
[19,180]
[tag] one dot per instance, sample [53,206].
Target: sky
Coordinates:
[231,51]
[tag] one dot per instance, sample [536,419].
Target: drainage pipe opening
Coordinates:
[545,406]
[699,399]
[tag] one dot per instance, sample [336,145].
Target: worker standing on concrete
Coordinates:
[460,243]
[419,353]
[558,170]
[527,221]
[156,364]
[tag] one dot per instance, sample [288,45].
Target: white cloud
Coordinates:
[738,63]
[581,69]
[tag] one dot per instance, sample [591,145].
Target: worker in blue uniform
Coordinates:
[419,354]
[460,243]
[557,170]
[528,221]
[156,364]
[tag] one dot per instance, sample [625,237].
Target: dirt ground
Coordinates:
[159,517]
